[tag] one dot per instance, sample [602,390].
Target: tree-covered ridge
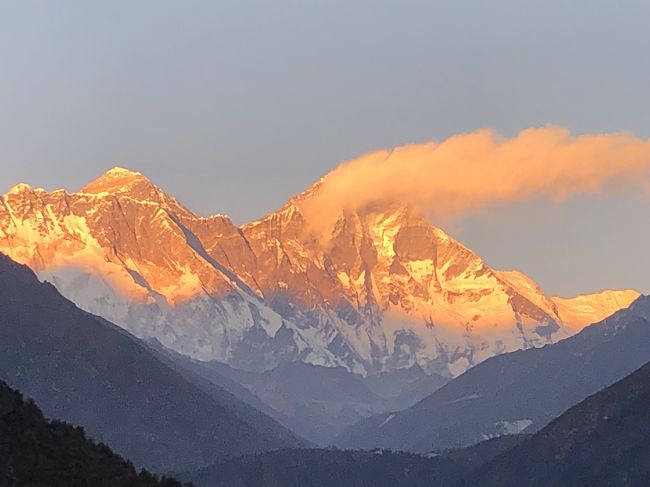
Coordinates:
[332,467]
[36,452]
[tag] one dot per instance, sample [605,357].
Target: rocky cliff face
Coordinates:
[382,291]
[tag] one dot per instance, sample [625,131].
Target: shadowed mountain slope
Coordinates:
[84,370]
[602,441]
[513,392]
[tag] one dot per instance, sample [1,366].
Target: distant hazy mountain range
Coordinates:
[82,369]
[380,290]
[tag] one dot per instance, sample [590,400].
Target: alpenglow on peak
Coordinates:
[383,289]
[119,180]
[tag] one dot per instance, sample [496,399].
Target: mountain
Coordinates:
[35,451]
[86,371]
[602,441]
[380,290]
[517,391]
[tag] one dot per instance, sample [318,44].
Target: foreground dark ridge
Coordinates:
[37,452]
[348,468]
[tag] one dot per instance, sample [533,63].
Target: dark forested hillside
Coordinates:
[347,468]
[330,468]
[36,452]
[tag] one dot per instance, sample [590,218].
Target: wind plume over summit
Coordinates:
[472,171]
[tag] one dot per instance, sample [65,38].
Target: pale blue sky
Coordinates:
[234,106]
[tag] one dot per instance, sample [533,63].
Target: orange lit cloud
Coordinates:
[472,171]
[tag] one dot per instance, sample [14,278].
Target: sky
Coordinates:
[233,106]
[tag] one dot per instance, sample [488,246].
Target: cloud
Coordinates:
[478,170]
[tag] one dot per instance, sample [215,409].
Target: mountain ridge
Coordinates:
[387,290]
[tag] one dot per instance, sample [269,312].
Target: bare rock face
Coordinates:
[383,290]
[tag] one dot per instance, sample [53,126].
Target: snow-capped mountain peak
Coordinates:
[118,180]
[382,288]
